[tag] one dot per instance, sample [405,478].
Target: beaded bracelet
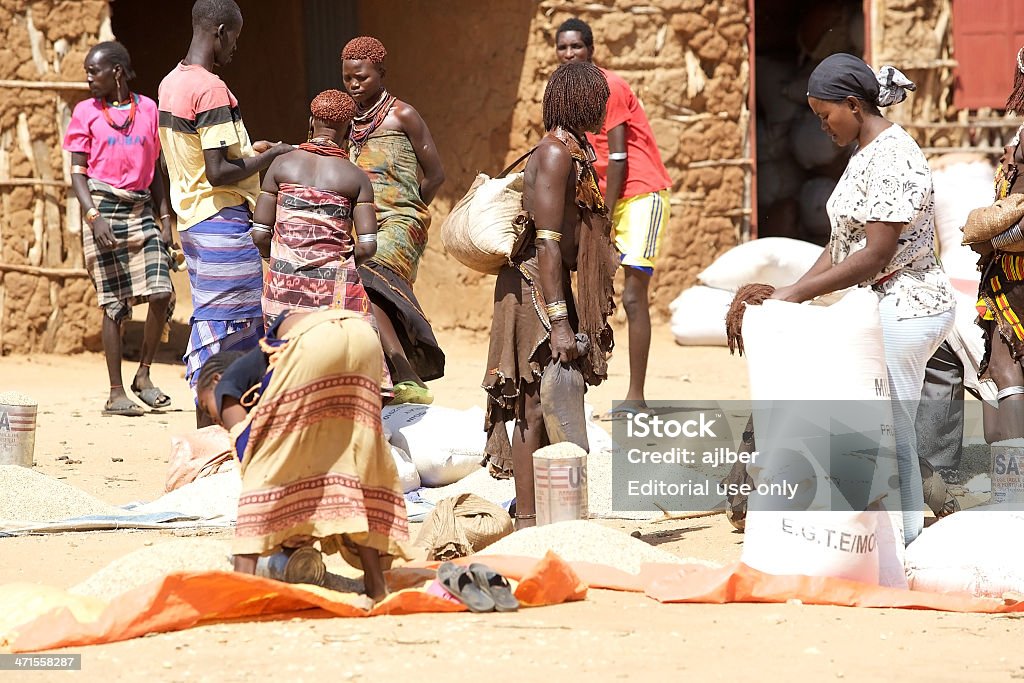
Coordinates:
[79,170]
[557,310]
[1008,237]
[260,227]
[372,237]
[549,235]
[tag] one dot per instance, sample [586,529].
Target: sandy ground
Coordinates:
[610,636]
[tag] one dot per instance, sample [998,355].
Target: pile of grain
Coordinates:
[153,562]
[210,498]
[581,541]
[599,490]
[14,398]
[30,496]
[497,491]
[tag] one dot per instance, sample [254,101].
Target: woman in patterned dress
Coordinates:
[883,236]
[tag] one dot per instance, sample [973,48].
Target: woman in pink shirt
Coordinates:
[114,151]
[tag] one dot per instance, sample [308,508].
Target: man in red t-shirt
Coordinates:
[636,190]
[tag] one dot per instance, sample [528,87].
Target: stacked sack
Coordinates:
[698,313]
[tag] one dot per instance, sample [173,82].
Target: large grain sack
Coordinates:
[462,525]
[481,229]
[773,75]
[775,261]
[818,532]
[407,472]
[445,444]
[698,316]
[814,195]
[810,146]
[779,179]
[198,454]
[977,552]
[960,187]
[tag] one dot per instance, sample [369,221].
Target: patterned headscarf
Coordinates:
[843,75]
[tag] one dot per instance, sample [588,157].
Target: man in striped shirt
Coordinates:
[214,182]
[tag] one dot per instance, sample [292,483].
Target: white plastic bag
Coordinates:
[444,444]
[961,183]
[698,316]
[788,348]
[977,552]
[776,261]
[407,472]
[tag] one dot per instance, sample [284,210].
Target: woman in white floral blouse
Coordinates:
[883,237]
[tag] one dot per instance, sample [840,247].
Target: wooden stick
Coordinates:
[40,182]
[688,515]
[45,85]
[952,150]
[964,124]
[690,118]
[712,163]
[46,272]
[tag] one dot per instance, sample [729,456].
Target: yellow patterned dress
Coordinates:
[1000,292]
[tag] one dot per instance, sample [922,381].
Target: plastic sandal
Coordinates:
[459,582]
[496,586]
[410,392]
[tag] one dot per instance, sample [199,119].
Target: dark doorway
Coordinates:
[797,164]
[288,51]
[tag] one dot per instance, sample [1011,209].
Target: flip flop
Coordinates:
[152,397]
[126,409]
[495,585]
[459,582]
[410,392]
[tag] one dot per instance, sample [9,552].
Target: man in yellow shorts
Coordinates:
[636,190]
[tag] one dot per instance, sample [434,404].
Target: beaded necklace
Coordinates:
[364,124]
[324,147]
[126,126]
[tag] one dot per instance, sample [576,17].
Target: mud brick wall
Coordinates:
[476,72]
[475,69]
[49,306]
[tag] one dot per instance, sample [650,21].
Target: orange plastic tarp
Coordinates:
[37,618]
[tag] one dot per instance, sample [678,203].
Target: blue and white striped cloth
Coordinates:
[224,267]
[226,275]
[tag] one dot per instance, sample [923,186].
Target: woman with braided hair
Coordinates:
[1001,292]
[303,220]
[390,141]
[536,316]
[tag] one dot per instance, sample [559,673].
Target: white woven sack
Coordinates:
[818,364]
[976,552]
[776,261]
[445,444]
[479,232]
[959,189]
[698,316]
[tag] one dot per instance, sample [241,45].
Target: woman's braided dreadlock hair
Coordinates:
[333,106]
[1015,103]
[575,97]
[215,365]
[365,47]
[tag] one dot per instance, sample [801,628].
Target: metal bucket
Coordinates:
[303,565]
[17,434]
[1008,472]
[560,487]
